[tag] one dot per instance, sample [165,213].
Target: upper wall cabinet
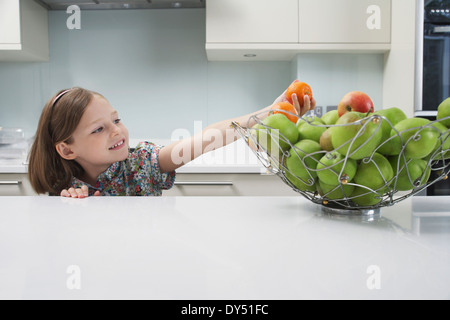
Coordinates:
[345,21]
[23,31]
[237,29]
[278,30]
[252,21]
[9,24]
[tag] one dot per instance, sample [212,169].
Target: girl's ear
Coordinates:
[65,151]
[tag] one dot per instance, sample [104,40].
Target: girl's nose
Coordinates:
[115,130]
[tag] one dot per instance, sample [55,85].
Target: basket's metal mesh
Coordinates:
[385,195]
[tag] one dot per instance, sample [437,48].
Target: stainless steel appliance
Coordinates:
[440,188]
[432,67]
[433,55]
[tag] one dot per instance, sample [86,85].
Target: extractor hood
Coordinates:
[120,4]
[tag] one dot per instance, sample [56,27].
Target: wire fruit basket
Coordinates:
[359,176]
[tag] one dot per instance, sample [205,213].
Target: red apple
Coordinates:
[355,101]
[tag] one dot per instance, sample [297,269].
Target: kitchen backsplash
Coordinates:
[332,75]
[152,66]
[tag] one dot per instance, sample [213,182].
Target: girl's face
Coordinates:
[100,138]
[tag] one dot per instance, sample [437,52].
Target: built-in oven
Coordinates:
[432,68]
[433,55]
[441,187]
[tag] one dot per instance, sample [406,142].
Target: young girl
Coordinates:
[81,149]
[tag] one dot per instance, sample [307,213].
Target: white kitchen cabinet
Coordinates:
[186,184]
[344,21]
[10,24]
[255,30]
[229,184]
[23,31]
[15,184]
[264,29]
[252,21]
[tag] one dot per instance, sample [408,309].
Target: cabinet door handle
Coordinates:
[10,183]
[203,183]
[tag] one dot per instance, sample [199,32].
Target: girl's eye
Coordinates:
[98,130]
[116,121]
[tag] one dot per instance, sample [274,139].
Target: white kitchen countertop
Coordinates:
[233,158]
[220,248]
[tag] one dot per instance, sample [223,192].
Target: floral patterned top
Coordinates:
[138,175]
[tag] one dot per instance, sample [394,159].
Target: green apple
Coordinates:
[415,171]
[333,167]
[356,135]
[444,112]
[416,136]
[335,192]
[285,127]
[311,131]
[301,164]
[301,184]
[365,197]
[442,148]
[265,140]
[276,132]
[375,172]
[325,140]
[394,116]
[308,119]
[330,117]
[303,158]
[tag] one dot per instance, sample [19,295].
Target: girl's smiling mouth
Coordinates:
[118,145]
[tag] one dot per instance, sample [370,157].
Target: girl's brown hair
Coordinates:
[48,171]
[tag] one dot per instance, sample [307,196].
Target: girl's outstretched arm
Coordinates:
[217,135]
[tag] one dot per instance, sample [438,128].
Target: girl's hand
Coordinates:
[307,104]
[80,193]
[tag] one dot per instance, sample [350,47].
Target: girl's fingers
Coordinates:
[306,105]
[296,103]
[72,193]
[75,193]
[82,192]
[79,192]
[313,104]
[85,191]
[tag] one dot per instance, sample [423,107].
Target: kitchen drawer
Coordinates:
[252,184]
[15,184]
